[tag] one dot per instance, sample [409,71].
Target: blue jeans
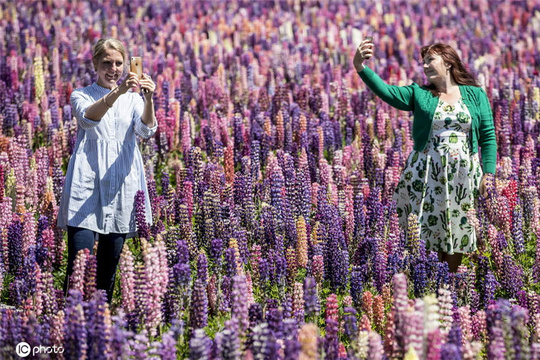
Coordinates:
[108,254]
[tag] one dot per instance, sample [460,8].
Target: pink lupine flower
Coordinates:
[375,346]
[255,260]
[233,244]
[495,249]
[29,231]
[298,301]
[364,323]
[317,268]
[465,322]
[308,337]
[434,342]
[57,326]
[331,307]
[156,275]
[414,328]
[301,243]
[445,309]
[249,284]
[127,280]
[479,325]
[378,313]
[367,304]
[76,280]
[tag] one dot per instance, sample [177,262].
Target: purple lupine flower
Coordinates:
[520,332]
[356,285]
[225,299]
[10,331]
[167,347]
[311,299]
[43,250]
[350,323]
[216,252]
[97,325]
[517,230]
[202,267]
[75,330]
[274,318]
[490,286]
[292,345]
[241,238]
[286,304]
[255,315]
[119,336]
[183,252]
[455,337]
[450,351]
[331,342]
[400,307]
[90,277]
[140,215]
[14,254]
[182,274]
[230,262]
[240,303]
[496,346]
[199,345]
[228,342]
[264,342]
[512,276]
[199,305]
[535,351]
[419,277]
[264,272]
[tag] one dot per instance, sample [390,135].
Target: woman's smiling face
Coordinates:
[110,68]
[434,67]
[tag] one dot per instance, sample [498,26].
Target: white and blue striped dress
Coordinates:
[106,168]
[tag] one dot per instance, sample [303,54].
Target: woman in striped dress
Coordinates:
[106,168]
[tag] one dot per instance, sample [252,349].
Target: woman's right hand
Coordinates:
[130,82]
[363,52]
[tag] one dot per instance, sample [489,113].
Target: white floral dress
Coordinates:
[440,183]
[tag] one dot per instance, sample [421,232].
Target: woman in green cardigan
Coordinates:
[442,175]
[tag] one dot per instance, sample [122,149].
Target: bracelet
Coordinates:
[105,102]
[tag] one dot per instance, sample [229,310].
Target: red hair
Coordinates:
[450,57]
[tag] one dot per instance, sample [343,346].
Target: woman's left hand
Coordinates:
[147,85]
[486,178]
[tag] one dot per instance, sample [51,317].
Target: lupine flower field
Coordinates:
[274,233]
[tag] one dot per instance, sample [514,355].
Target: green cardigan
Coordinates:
[423,103]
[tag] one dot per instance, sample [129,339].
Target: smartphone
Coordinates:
[369,38]
[136,65]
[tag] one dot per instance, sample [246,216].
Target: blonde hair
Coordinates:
[106,44]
